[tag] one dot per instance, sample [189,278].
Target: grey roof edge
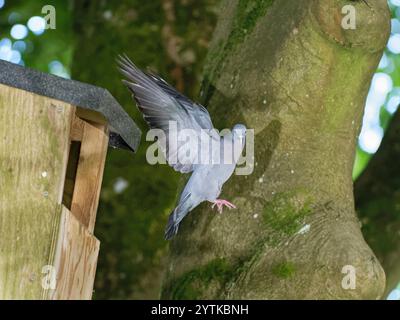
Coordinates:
[124,134]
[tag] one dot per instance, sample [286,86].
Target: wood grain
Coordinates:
[89,175]
[75,260]
[77,127]
[34,143]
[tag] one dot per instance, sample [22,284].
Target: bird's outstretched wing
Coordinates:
[201,114]
[160,104]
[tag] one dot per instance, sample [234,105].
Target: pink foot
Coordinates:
[220,203]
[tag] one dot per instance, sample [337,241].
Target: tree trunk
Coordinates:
[290,71]
[377,193]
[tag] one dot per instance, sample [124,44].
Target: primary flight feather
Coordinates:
[162,105]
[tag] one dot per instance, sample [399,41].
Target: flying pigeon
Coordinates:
[162,104]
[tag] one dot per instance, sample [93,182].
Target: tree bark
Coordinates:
[290,71]
[377,193]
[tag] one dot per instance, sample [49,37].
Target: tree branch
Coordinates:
[377,194]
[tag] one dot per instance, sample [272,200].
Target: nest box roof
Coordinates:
[124,133]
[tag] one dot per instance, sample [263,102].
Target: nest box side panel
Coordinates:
[75,260]
[34,144]
[89,175]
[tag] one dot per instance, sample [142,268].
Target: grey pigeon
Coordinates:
[160,104]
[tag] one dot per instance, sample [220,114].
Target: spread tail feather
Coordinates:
[176,217]
[172,227]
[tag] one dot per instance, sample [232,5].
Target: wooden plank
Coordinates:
[34,143]
[75,261]
[78,126]
[90,174]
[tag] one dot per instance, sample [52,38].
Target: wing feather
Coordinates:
[160,103]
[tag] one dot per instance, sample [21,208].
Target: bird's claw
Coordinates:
[220,203]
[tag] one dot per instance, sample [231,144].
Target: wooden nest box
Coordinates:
[54,135]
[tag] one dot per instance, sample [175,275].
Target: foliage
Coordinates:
[52,45]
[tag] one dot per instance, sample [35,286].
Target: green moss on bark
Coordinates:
[284,270]
[246,16]
[193,284]
[284,215]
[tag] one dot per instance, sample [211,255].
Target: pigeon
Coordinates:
[161,105]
